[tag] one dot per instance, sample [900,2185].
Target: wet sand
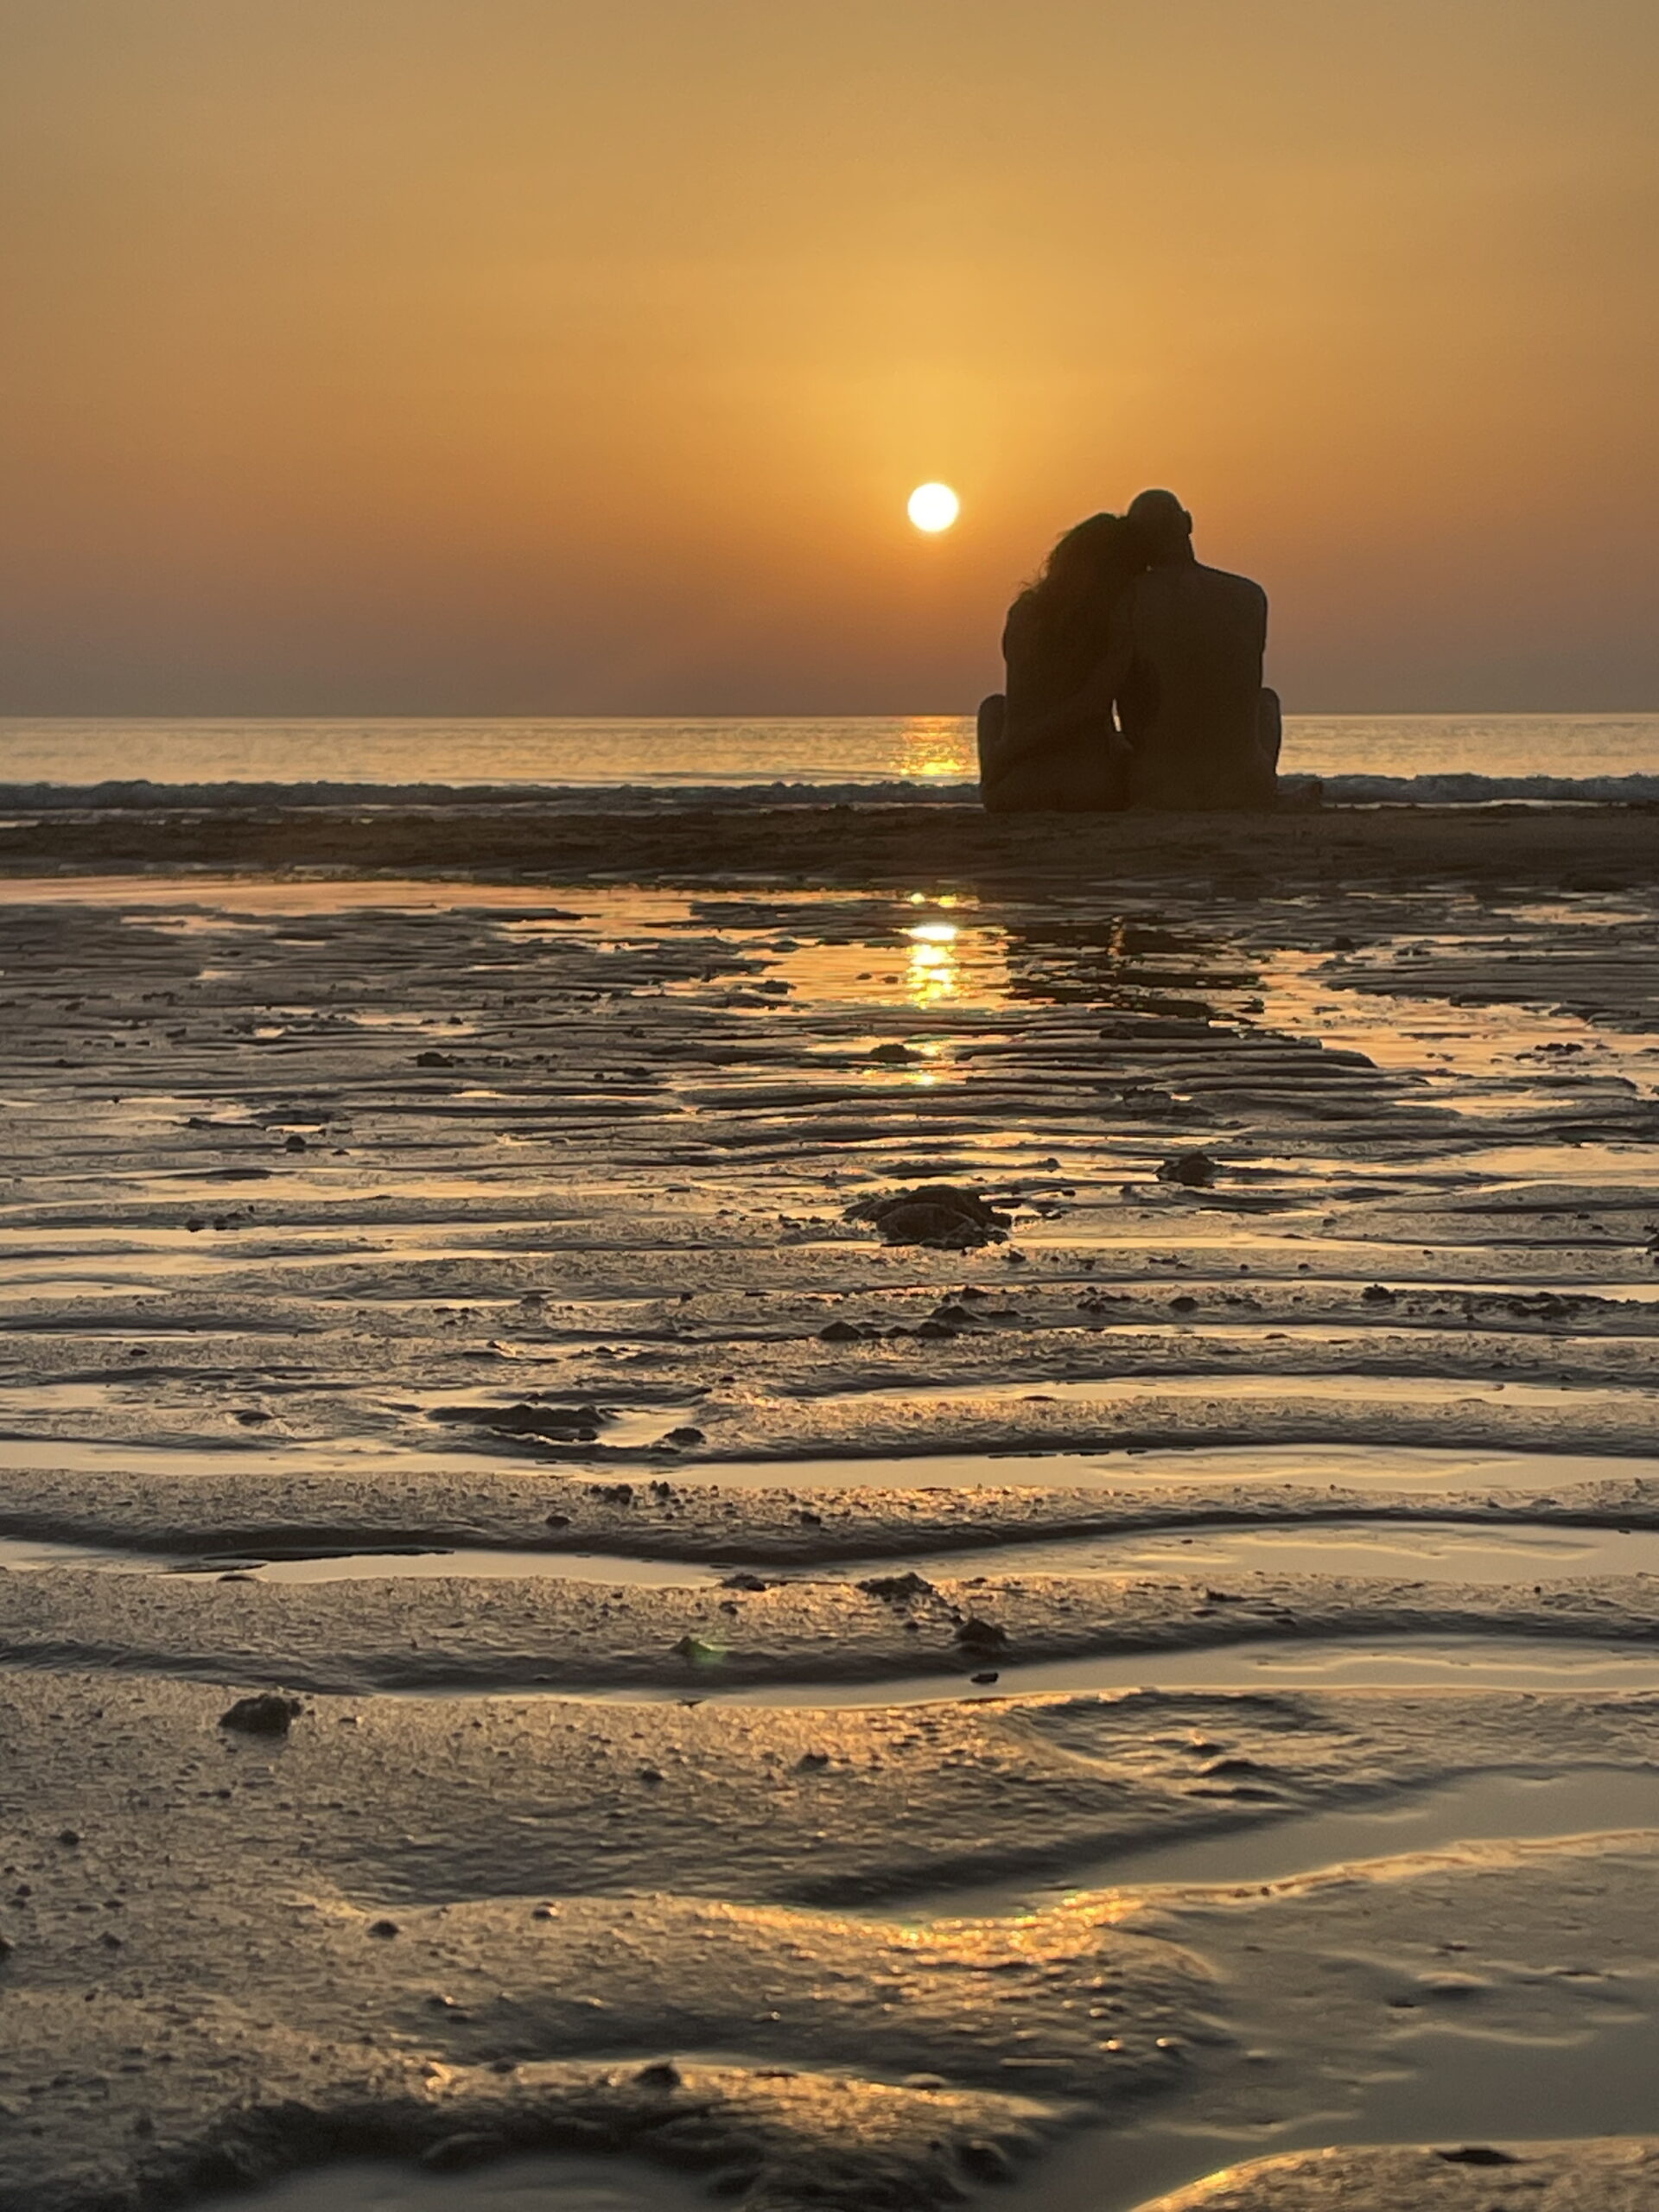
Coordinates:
[1549,848]
[757,1685]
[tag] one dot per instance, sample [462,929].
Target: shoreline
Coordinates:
[1246,856]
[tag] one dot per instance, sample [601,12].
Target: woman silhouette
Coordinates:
[1034,755]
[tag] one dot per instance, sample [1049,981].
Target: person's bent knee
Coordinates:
[1269,726]
[993,733]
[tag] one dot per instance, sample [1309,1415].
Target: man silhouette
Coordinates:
[1184,667]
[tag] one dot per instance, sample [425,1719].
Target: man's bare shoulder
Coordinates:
[1179,580]
[1240,588]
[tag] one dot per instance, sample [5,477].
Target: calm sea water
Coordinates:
[860,749]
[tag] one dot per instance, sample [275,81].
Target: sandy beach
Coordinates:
[1159,1677]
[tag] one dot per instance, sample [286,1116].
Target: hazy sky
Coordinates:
[546,356]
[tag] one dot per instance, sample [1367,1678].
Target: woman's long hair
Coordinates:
[1096,555]
[1060,616]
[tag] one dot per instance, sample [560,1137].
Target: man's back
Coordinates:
[1189,643]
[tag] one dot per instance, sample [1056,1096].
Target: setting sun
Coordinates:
[933,507]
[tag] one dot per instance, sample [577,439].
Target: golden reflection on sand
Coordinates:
[934,972]
[928,963]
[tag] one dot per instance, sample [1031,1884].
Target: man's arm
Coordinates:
[1250,605]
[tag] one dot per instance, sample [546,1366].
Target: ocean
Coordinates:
[1374,757]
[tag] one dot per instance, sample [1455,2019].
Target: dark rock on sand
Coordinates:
[975,1635]
[942,1215]
[270,1713]
[1195,1171]
[897,1589]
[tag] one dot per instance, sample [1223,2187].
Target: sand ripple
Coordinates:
[514,1222]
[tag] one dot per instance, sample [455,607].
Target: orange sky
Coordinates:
[542,356]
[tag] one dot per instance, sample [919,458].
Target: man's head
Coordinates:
[1162,524]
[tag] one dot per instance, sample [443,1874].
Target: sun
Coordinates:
[933,507]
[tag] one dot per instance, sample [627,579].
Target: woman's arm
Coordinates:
[1091,702]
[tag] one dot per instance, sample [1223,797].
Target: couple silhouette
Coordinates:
[1134,677]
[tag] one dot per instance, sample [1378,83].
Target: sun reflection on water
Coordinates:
[935,973]
[937,957]
[936,748]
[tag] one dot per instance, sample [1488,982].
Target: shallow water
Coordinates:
[1450,2086]
[1351,1387]
[1329,1466]
[24,1556]
[1538,1663]
[547,2184]
[1488,1808]
[611,1569]
[363,1455]
[1476,1552]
